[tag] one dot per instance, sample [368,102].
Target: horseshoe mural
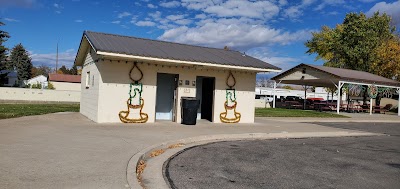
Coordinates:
[137,89]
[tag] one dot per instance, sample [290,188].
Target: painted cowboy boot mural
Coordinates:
[230,115]
[135,102]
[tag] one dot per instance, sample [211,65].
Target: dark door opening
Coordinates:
[205,92]
[166,96]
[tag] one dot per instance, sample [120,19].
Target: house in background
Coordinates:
[11,78]
[40,79]
[65,82]
[139,80]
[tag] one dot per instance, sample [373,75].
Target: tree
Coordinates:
[387,63]
[352,44]
[287,87]
[63,70]
[21,61]
[3,54]
[73,70]
[41,70]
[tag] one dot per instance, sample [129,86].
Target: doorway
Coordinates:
[166,96]
[205,92]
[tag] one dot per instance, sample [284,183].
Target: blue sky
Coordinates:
[271,30]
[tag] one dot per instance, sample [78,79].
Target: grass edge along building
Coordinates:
[135,80]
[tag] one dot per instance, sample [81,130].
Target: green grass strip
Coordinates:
[19,110]
[279,112]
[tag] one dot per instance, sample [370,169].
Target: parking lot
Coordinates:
[343,162]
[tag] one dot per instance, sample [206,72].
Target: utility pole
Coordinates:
[57,58]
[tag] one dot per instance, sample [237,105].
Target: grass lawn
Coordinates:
[279,112]
[19,110]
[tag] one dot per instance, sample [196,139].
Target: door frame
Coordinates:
[213,96]
[174,98]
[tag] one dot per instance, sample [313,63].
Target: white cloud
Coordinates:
[271,57]
[170,4]
[151,6]
[294,12]
[78,21]
[66,58]
[236,33]
[18,3]
[145,23]
[233,8]
[183,21]
[11,20]
[123,14]
[175,17]
[329,3]
[367,1]
[199,4]
[392,9]
[116,22]
[333,13]
[201,16]
[282,2]
[155,15]
[57,8]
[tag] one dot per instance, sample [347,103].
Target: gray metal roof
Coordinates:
[174,51]
[338,74]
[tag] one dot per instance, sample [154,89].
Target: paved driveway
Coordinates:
[345,162]
[66,150]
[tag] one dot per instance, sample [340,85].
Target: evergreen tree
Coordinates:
[73,70]
[21,61]
[63,70]
[3,54]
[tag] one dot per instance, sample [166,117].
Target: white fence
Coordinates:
[46,95]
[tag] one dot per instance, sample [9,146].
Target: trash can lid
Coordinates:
[188,98]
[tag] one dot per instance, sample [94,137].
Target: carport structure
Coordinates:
[354,81]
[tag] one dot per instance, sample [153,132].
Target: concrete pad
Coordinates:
[66,150]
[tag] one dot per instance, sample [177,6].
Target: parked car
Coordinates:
[293,98]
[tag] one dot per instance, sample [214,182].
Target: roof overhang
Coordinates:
[82,51]
[183,62]
[320,78]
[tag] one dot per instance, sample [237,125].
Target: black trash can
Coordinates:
[189,110]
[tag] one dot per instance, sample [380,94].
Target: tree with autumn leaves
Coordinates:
[360,43]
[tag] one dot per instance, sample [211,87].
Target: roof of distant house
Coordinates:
[168,51]
[10,73]
[65,78]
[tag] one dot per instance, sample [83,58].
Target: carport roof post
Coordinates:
[398,99]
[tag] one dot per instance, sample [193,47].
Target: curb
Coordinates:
[153,176]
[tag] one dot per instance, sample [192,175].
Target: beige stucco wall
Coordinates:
[22,94]
[90,96]
[113,86]
[66,86]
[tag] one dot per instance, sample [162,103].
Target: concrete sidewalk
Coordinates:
[66,150]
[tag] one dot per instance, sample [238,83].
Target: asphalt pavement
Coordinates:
[343,162]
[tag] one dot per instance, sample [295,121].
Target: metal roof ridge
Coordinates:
[133,37]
